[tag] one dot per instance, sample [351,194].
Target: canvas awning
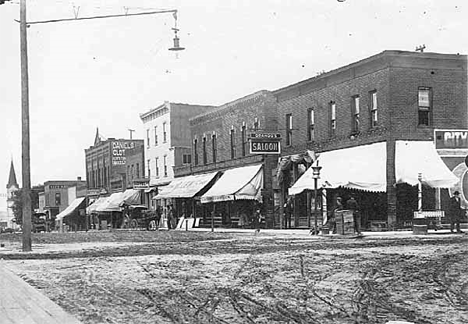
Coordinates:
[362,167]
[414,157]
[131,197]
[187,187]
[92,207]
[73,207]
[239,183]
[112,203]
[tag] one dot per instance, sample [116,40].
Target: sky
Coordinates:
[104,73]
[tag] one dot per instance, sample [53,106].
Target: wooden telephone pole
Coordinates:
[25,143]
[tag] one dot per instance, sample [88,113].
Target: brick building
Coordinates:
[220,144]
[57,195]
[396,98]
[113,165]
[168,141]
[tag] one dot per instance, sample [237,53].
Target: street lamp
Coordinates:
[316,175]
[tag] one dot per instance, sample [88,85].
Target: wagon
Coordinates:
[138,216]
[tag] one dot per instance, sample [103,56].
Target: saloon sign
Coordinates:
[265,143]
[451,139]
[118,152]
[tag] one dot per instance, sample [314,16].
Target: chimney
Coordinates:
[78,178]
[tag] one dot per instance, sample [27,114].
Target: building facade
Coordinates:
[56,196]
[220,142]
[167,142]
[391,97]
[112,165]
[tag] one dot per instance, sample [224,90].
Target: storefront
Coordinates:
[184,195]
[232,200]
[74,216]
[363,171]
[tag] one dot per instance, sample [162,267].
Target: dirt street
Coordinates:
[203,277]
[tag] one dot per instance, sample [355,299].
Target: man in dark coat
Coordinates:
[455,212]
[352,204]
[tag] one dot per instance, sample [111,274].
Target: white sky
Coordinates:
[104,73]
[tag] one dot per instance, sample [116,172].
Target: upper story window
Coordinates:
[289,127]
[155,135]
[195,151]
[244,139]
[205,159]
[157,167]
[165,165]
[256,124]
[233,143]
[355,109]
[373,108]
[138,170]
[147,138]
[148,168]
[311,124]
[164,132]
[424,106]
[58,199]
[214,147]
[332,118]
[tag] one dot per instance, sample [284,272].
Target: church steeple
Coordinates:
[12,177]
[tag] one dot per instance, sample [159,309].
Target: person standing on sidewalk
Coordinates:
[352,204]
[455,212]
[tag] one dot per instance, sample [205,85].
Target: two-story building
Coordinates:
[373,124]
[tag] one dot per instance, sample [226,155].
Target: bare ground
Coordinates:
[180,277]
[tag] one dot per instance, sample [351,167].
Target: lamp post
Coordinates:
[316,175]
[420,193]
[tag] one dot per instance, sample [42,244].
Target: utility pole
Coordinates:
[25,143]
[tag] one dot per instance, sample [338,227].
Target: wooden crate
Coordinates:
[344,222]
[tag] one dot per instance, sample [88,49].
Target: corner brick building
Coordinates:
[389,97]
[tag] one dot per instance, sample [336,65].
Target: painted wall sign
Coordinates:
[451,139]
[118,152]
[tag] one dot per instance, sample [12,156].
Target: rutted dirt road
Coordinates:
[180,277]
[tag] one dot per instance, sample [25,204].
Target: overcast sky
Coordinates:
[104,73]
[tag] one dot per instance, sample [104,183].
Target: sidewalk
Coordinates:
[20,303]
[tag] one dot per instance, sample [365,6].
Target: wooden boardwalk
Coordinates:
[20,303]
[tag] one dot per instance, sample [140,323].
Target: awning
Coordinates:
[362,167]
[74,206]
[239,183]
[112,203]
[187,187]
[92,207]
[414,157]
[131,197]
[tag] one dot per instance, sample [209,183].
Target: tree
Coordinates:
[17,207]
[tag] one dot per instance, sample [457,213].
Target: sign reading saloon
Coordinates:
[451,139]
[265,143]
[118,152]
